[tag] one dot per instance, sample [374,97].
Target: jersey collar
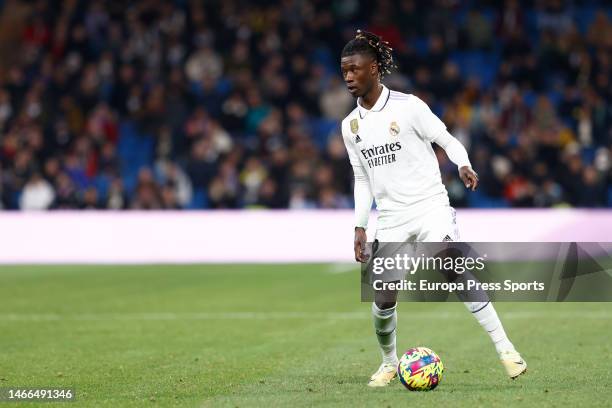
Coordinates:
[378,106]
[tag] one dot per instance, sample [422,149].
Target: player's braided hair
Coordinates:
[371,44]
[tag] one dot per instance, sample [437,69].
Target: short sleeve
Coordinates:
[350,148]
[427,125]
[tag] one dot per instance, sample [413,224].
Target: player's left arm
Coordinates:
[433,130]
[458,155]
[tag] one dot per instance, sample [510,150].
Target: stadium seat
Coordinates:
[477,64]
[199,200]
[322,129]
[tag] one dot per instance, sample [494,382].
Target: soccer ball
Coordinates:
[420,369]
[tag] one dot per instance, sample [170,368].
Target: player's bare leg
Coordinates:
[384,314]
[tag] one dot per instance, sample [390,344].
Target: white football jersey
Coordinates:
[392,143]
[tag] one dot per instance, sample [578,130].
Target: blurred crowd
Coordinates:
[161,104]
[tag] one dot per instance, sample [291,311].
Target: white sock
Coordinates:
[385,322]
[485,314]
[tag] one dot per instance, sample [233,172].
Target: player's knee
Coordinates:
[449,275]
[385,299]
[385,304]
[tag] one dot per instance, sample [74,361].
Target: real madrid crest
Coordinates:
[394,129]
[354,126]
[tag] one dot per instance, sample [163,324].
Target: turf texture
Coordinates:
[275,335]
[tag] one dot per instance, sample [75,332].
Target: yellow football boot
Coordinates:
[513,363]
[383,376]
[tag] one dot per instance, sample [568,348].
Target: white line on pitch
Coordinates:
[343,267]
[13,317]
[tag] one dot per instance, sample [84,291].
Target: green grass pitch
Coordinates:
[275,335]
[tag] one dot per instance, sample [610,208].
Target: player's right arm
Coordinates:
[363,204]
[362,195]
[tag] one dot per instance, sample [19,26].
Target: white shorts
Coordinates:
[437,225]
